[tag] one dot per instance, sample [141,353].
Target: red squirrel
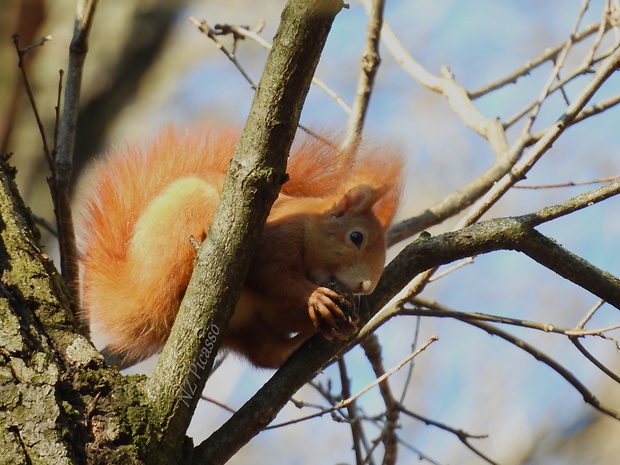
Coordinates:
[328,224]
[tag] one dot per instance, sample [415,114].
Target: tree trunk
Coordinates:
[59,403]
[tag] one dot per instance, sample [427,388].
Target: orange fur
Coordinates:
[144,204]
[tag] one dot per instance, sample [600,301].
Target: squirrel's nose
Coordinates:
[364,287]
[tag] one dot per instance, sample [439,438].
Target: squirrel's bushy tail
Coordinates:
[132,283]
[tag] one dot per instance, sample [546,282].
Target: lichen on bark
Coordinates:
[59,402]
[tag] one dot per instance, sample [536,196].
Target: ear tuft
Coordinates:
[357,199]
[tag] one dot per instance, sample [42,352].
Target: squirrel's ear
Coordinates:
[357,199]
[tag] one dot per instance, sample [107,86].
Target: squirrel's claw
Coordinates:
[328,317]
[323,308]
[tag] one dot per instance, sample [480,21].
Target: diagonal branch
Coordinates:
[251,186]
[570,266]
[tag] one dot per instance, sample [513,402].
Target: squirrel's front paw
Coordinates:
[328,316]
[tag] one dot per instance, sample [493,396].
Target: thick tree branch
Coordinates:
[498,234]
[257,171]
[570,266]
[22,399]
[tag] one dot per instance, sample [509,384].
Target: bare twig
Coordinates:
[49,227]
[78,50]
[206,29]
[588,397]
[218,403]
[212,34]
[368,69]
[567,184]
[530,65]
[61,74]
[367,388]
[463,436]
[590,314]
[587,61]
[354,421]
[239,31]
[587,112]
[558,85]
[421,455]
[426,307]
[573,204]
[21,52]
[558,64]
[372,349]
[409,377]
[577,343]
[452,269]
[325,391]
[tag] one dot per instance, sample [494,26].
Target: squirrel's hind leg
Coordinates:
[262,346]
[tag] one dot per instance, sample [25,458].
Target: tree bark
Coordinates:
[59,403]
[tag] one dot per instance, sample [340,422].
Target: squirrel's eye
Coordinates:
[357,238]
